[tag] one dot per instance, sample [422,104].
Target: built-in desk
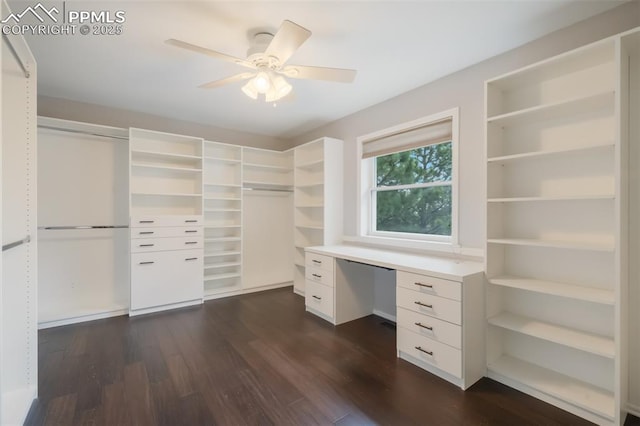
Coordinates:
[439,302]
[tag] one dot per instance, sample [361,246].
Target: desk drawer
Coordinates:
[145,245]
[430,327]
[427,350]
[319,275]
[155,221]
[319,261]
[429,285]
[319,298]
[434,306]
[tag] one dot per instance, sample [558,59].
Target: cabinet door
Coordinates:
[164,278]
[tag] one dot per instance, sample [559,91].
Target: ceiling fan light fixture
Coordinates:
[250,90]
[281,86]
[262,82]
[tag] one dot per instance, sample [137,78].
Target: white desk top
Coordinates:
[439,267]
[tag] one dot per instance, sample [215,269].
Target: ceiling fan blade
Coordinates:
[208,52]
[287,40]
[222,82]
[320,73]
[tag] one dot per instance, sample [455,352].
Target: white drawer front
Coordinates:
[178,220]
[319,275]
[319,261]
[439,307]
[167,231]
[319,297]
[430,327]
[427,350]
[145,245]
[164,278]
[429,285]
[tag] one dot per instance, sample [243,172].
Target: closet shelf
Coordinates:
[544,112]
[576,339]
[164,194]
[214,226]
[600,247]
[215,277]
[165,155]
[221,253]
[300,264]
[225,185]
[309,226]
[208,197]
[166,168]
[222,160]
[221,239]
[266,185]
[587,197]
[311,165]
[309,206]
[545,153]
[279,169]
[221,265]
[310,185]
[221,210]
[581,394]
[572,291]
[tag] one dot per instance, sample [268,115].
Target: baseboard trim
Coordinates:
[83,318]
[633,409]
[385,315]
[133,313]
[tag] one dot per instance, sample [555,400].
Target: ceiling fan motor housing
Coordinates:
[259,45]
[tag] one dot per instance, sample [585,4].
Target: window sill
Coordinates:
[439,248]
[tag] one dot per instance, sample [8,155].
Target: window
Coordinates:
[408,180]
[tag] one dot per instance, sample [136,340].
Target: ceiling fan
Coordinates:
[267,58]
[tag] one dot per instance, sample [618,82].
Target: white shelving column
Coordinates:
[555,231]
[166,205]
[267,219]
[318,171]
[222,192]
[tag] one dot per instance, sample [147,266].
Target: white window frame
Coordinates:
[367,187]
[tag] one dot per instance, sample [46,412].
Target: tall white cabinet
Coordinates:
[166,221]
[556,255]
[18,292]
[318,199]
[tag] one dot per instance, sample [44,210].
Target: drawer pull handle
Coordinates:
[191,258]
[146,245]
[317,297]
[190,231]
[317,261]
[430,353]
[419,324]
[191,221]
[424,285]
[147,263]
[145,232]
[191,242]
[316,275]
[146,221]
[424,304]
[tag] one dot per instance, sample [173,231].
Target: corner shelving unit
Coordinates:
[222,189]
[317,200]
[555,193]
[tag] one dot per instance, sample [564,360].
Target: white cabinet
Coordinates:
[556,231]
[222,192]
[318,171]
[167,235]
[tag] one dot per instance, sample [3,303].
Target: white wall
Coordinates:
[464,89]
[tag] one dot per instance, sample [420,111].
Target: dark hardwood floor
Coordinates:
[257,359]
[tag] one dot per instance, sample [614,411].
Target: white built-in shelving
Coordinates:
[554,255]
[317,200]
[222,192]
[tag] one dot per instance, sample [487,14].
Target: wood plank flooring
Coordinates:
[257,359]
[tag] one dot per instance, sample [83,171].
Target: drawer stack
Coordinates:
[166,262]
[319,285]
[429,319]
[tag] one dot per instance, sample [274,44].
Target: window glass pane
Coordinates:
[415,210]
[421,165]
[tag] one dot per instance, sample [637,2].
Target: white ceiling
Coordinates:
[395,46]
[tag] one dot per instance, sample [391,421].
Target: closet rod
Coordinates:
[57,228]
[268,189]
[26,72]
[83,132]
[25,240]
